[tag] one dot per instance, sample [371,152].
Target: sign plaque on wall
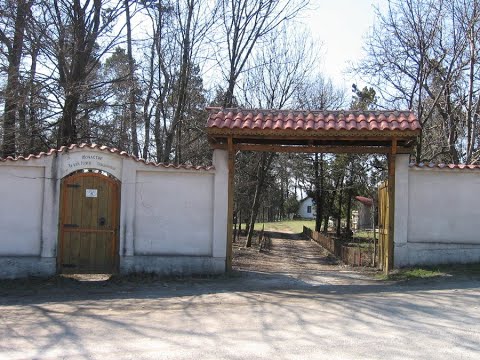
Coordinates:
[92,193]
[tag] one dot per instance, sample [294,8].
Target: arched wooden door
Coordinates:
[89,219]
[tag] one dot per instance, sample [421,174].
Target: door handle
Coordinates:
[102,221]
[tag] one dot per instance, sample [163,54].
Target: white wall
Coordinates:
[21,202]
[437,215]
[444,206]
[173,214]
[172,220]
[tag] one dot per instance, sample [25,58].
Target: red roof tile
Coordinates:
[445,166]
[106,149]
[364,200]
[244,120]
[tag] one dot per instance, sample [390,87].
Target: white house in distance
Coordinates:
[307,209]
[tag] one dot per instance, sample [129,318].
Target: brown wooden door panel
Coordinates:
[89,224]
[383,223]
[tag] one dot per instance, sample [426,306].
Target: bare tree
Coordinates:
[131,75]
[245,23]
[419,54]
[467,16]
[12,38]
[179,30]
[76,28]
[279,69]
[318,93]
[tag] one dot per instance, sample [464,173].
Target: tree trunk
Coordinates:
[263,167]
[131,77]
[339,214]
[228,100]
[318,191]
[349,210]
[32,114]
[239,224]
[15,50]
[183,79]
[73,72]
[146,105]
[68,131]
[349,195]
[471,81]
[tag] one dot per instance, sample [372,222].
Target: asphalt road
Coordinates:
[335,314]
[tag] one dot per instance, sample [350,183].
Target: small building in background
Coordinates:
[364,219]
[307,209]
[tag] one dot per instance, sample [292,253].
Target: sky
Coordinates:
[341,26]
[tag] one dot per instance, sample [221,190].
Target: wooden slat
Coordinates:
[391,204]
[89,247]
[84,230]
[94,217]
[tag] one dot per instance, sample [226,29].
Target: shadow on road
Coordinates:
[286,236]
[143,286]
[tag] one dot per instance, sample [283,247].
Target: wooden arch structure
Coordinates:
[372,132]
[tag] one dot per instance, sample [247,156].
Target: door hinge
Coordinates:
[70,225]
[73,185]
[69,265]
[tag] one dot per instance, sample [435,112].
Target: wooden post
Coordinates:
[391,205]
[231,169]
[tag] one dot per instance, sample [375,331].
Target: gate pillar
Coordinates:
[401,210]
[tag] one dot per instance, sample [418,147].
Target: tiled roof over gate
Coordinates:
[445,166]
[318,121]
[105,149]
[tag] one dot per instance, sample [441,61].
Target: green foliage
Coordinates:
[364,99]
[291,205]
[459,270]
[411,274]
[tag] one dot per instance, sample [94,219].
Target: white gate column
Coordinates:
[220,204]
[400,257]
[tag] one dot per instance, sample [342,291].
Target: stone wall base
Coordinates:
[172,265]
[12,267]
[412,254]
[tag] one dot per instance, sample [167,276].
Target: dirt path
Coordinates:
[299,258]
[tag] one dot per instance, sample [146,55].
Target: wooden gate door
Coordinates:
[89,224]
[383,225]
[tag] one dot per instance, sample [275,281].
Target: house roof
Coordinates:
[65,149]
[364,200]
[311,121]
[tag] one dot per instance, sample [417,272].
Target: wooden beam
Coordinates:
[320,135]
[338,149]
[391,203]
[313,149]
[231,185]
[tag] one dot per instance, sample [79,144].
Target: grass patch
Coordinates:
[294,226]
[363,245]
[364,234]
[462,270]
[411,274]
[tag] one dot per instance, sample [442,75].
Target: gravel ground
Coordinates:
[298,258]
[290,302]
